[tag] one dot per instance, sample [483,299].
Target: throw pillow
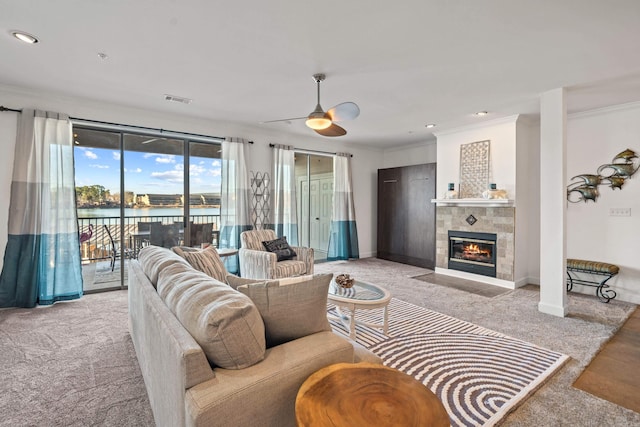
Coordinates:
[207,260]
[235,281]
[281,248]
[291,311]
[224,322]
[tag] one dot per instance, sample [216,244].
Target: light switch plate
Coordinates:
[619,211]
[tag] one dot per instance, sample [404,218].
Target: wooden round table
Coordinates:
[366,394]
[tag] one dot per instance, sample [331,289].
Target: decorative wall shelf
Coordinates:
[487,203]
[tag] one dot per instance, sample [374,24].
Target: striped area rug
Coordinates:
[478,374]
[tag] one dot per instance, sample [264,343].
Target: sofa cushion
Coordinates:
[291,311]
[224,322]
[155,258]
[281,248]
[206,260]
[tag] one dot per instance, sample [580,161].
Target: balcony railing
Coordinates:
[95,244]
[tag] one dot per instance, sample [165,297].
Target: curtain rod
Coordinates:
[304,150]
[3,108]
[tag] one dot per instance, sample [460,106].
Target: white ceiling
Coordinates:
[405,63]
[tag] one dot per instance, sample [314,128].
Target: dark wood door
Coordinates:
[406,216]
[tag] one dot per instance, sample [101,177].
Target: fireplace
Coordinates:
[473,252]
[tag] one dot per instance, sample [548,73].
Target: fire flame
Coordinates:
[472,248]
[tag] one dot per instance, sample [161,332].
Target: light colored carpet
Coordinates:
[73,363]
[478,374]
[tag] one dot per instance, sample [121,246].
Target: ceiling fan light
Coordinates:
[318,120]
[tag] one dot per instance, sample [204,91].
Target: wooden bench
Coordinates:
[602,270]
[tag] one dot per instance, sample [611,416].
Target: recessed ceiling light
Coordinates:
[482,113]
[24,37]
[430,125]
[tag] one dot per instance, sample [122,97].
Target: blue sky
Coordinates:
[145,172]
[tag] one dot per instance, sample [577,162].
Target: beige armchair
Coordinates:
[258,263]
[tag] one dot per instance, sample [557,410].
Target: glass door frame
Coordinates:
[122,131]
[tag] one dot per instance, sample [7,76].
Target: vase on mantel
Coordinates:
[451,192]
[494,193]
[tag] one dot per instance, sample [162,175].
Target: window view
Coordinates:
[130,193]
[314,179]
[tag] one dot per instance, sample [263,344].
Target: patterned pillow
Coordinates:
[291,311]
[281,248]
[207,260]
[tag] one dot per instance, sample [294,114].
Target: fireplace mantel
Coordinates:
[487,203]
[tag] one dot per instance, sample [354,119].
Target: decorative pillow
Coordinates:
[207,260]
[291,311]
[281,248]
[155,258]
[224,322]
[235,281]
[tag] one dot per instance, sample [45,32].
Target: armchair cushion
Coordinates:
[281,248]
[291,309]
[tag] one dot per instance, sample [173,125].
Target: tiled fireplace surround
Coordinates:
[498,220]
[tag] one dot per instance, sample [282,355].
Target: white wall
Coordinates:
[593,139]
[528,203]
[501,133]
[365,162]
[416,154]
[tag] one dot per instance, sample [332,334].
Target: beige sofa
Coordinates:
[183,387]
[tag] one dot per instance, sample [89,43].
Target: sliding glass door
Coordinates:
[135,190]
[314,179]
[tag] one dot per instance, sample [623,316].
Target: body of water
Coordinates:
[143,212]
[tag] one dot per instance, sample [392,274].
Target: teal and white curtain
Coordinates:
[235,196]
[343,240]
[42,256]
[285,218]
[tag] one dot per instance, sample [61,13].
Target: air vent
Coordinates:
[174,98]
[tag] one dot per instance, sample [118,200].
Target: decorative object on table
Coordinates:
[344,280]
[474,169]
[451,192]
[494,193]
[615,174]
[260,199]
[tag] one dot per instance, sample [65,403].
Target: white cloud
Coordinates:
[99,166]
[195,170]
[116,155]
[165,158]
[216,163]
[90,154]
[136,170]
[169,176]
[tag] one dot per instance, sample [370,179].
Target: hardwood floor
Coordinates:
[614,373]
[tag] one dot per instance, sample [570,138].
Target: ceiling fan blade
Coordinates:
[344,111]
[333,130]
[282,120]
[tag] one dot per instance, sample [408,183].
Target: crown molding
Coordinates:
[490,123]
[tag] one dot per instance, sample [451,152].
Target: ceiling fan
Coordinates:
[324,122]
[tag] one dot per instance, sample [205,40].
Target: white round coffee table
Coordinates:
[363,296]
